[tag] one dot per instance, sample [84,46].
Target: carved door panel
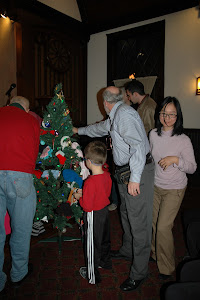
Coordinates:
[46,57]
[58,59]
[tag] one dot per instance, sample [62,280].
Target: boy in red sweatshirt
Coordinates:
[94,201]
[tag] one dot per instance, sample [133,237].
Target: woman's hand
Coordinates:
[168,161]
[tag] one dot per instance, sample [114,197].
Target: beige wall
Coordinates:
[182,64]
[7,59]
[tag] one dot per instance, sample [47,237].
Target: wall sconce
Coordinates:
[198,86]
[12,18]
[4,15]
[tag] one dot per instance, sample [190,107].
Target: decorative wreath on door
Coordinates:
[58,56]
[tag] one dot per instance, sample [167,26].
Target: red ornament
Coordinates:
[61,158]
[38,173]
[43,132]
[66,112]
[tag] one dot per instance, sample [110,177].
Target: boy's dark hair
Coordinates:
[96,151]
[178,125]
[135,86]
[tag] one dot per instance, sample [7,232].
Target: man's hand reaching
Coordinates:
[75,130]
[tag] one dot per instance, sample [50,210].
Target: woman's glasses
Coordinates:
[164,115]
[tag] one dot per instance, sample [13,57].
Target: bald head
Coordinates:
[113,89]
[112,94]
[22,101]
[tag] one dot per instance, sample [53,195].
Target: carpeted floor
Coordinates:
[56,273]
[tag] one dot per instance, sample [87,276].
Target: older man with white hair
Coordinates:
[130,152]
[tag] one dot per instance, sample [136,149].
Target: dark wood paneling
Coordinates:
[47,55]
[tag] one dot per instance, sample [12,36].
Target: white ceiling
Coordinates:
[67,7]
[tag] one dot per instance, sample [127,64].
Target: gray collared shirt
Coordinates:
[129,140]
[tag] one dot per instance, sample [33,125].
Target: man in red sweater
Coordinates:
[18,153]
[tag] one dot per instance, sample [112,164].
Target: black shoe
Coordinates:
[17,284]
[164,277]
[117,255]
[151,259]
[131,285]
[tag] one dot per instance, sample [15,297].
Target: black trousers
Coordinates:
[101,240]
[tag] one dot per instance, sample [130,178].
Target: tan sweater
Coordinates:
[146,110]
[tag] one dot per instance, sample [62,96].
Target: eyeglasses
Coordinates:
[164,115]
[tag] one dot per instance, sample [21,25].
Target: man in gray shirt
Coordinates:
[130,146]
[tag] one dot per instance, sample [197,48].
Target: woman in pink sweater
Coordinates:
[174,157]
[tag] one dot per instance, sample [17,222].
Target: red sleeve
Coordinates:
[87,200]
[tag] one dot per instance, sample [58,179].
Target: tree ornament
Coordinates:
[66,112]
[56,133]
[84,170]
[55,173]
[61,156]
[43,132]
[46,153]
[70,176]
[38,173]
[71,199]
[43,124]
[65,142]
[47,124]
[60,96]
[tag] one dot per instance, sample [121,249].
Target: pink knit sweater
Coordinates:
[174,177]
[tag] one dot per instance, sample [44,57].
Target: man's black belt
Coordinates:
[149,159]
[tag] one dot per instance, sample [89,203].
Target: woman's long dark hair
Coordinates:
[178,125]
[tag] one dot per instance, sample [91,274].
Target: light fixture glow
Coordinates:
[132,76]
[4,15]
[198,86]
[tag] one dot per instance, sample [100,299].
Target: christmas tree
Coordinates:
[59,166]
